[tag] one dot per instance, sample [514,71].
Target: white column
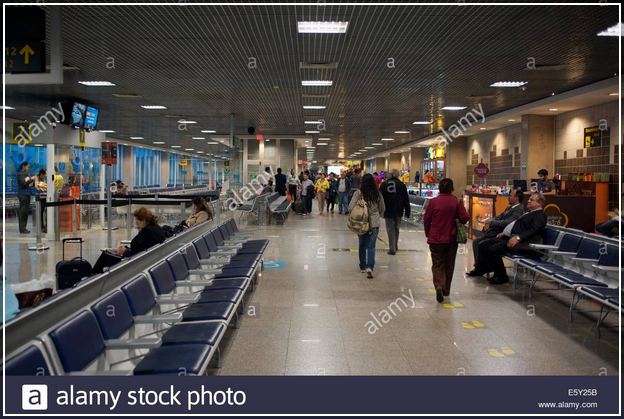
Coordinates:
[50,195]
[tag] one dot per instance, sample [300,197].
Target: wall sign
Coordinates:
[593,136]
[109,152]
[481,170]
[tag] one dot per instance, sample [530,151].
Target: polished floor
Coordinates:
[314,313]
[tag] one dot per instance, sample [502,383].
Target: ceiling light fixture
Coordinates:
[387,139]
[208,131]
[615,30]
[377,144]
[158,142]
[483,128]
[553,109]
[106,131]
[189,149]
[153,107]
[7,107]
[312,132]
[421,123]
[137,138]
[184,121]
[322,27]
[198,138]
[508,84]
[212,142]
[97,83]
[453,108]
[314,107]
[402,132]
[312,122]
[369,148]
[176,146]
[316,82]
[610,94]
[321,143]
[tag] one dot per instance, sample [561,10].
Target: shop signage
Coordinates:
[109,152]
[593,136]
[481,170]
[183,162]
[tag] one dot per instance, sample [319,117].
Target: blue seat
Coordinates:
[573,279]
[172,360]
[604,293]
[180,272]
[550,236]
[589,249]
[30,361]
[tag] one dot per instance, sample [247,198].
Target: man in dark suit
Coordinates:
[495,225]
[515,238]
[280,182]
[397,202]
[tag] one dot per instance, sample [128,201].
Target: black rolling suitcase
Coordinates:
[70,272]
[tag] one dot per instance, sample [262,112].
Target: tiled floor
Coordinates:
[310,317]
[314,314]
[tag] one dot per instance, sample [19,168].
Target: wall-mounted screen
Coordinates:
[78,115]
[91,118]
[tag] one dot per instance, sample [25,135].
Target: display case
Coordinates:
[482,206]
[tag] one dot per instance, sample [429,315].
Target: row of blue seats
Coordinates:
[168,320]
[586,264]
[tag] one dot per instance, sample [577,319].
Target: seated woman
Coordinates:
[149,235]
[201,212]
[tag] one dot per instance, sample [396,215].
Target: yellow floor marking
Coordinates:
[458,305]
[477,323]
[507,350]
[494,353]
[431,290]
[420,279]
[446,305]
[467,325]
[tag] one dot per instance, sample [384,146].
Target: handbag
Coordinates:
[462,230]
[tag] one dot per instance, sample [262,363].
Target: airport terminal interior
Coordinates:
[211,173]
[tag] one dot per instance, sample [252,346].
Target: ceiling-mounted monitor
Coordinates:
[91,118]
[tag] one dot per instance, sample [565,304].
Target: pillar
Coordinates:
[394,161]
[417,155]
[456,164]
[380,164]
[537,145]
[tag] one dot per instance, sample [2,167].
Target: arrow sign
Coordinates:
[27,51]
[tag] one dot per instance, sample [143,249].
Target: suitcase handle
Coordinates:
[72,240]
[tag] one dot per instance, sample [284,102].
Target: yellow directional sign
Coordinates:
[26,52]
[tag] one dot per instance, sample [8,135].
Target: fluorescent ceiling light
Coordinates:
[324,139]
[153,107]
[312,122]
[184,121]
[453,108]
[189,149]
[402,131]
[198,138]
[312,132]
[316,82]
[106,131]
[321,143]
[483,128]
[387,139]
[208,131]
[39,145]
[212,142]
[553,109]
[511,120]
[369,148]
[158,142]
[136,138]
[615,30]
[322,27]
[8,107]
[200,152]
[314,107]
[421,123]
[508,84]
[97,83]
[176,146]
[610,94]
[377,144]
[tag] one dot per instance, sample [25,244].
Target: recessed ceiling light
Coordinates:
[106,131]
[508,84]
[610,94]
[200,152]
[208,131]
[184,121]
[322,27]
[387,139]
[312,132]
[176,146]
[324,139]
[97,83]
[212,142]
[314,107]
[615,30]
[377,144]
[483,128]
[321,143]
[39,145]
[158,142]
[153,107]
[511,120]
[421,123]
[453,108]
[189,149]
[312,122]
[7,107]
[316,82]
[369,148]
[402,132]
[198,138]
[136,138]
[553,109]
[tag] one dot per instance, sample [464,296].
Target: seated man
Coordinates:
[495,225]
[607,228]
[516,238]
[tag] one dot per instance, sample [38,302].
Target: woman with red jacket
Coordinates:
[441,232]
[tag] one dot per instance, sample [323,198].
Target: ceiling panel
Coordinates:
[395,65]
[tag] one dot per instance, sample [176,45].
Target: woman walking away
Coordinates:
[441,232]
[332,193]
[321,186]
[374,204]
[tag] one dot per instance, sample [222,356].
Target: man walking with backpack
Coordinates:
[397,203]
